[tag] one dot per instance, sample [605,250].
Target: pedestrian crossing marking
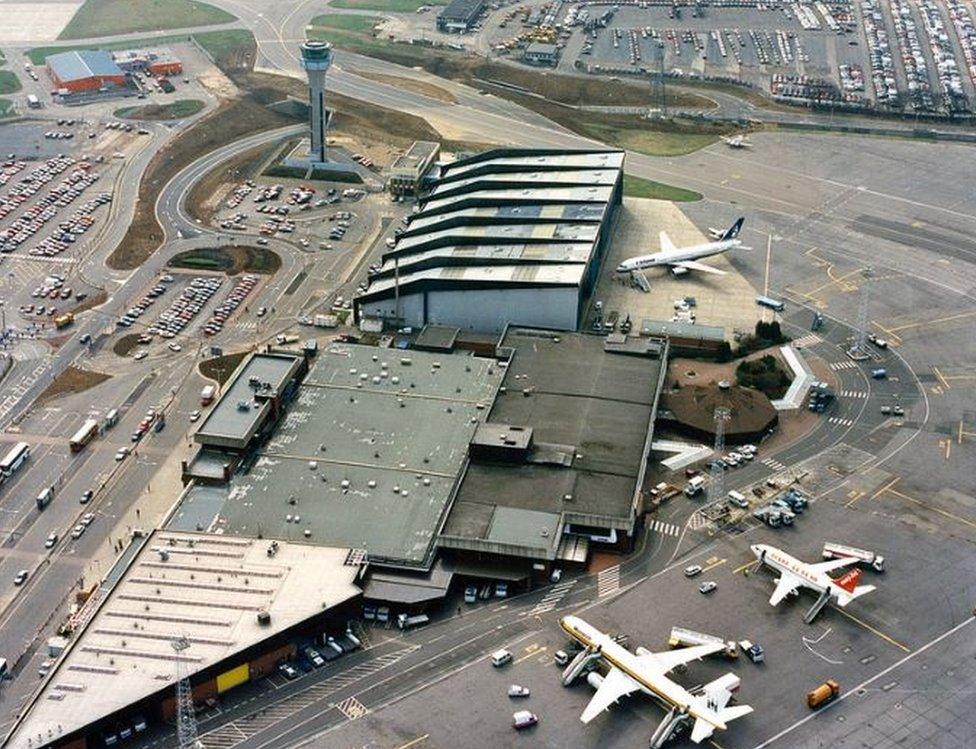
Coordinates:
[840,422]
[608,581]
[839,365]
[667,529]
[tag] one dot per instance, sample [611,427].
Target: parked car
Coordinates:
[288,671]
[516,690]
[693,570]
[707,587]
[524,719]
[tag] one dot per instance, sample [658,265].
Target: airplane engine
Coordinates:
[594,679]
[677,271]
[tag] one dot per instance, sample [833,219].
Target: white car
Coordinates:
[77,531]
[121,453]
[194,416]
[140,355]
[174,346]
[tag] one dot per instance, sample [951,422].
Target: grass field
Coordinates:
[228,48]
[111,17]
[71,380]
[174,110]
[9,82]
[222,367]
[346,22]
[231,260]
[220,44]
[6,107]
[390,6]
[642,140]
[638,187]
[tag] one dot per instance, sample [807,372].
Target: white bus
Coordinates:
[14,459]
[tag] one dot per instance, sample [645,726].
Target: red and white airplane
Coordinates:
[795,574]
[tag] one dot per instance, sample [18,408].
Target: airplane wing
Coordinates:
[703,729]
[666,244]
[833,564]
[786,584]
[692,265]
[667,660]
[616,685]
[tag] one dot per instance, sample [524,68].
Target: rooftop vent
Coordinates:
[264,618]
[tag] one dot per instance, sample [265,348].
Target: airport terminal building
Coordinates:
[389,476]
[507,236]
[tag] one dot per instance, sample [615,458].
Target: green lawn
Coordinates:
[346,22]
[6,107]
[223,44]
[651,142]
[638,187]
[391,6]
[217,43]
[110,17]
[9,82]
[175,110]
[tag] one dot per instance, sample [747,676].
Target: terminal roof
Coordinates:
[203,587]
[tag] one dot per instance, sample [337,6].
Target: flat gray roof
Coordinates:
[238,413]
[84,63]
[207,588]
[369,451]
[682,330]
[581,400]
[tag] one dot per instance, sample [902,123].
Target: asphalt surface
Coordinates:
[832,205]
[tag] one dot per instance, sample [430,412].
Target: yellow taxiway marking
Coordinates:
[873,630]
[414,742]
[942,378]
[713,565]
[963,432]
[741,567]
[947,444]
[945,513]
[886,487]
[532,651]
[855,495]
[893,337]
[936,321]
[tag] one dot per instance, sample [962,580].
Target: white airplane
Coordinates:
[680,260]
[795,574]
[646,672]
[736,141]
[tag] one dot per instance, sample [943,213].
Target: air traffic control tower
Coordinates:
[316,59]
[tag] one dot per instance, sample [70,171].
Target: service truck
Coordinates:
[207,394]
[695,486]
[863,557]
[823,694]
[63,321]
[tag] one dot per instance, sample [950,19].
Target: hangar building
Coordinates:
[83,71]
[508,236]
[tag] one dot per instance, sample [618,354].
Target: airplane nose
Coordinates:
[621,269]
[756,549]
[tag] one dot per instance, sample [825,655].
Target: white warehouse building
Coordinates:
[510,236]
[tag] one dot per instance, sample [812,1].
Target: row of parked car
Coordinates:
[185,307]
[28,186]
[69,230]
[226,308]
[315,655]
[138,309]
[45,209]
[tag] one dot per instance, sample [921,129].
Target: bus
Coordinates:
[84,435]
[768,301]
[14,458]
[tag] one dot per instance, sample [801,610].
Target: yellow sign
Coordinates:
[230,679]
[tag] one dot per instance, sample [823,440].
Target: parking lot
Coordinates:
[886,55]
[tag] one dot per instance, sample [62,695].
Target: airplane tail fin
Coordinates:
[848,581]
[666,244]
[733,231]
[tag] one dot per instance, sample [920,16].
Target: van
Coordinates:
[112,418]
[500,658]
[45,497]
[738,499]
